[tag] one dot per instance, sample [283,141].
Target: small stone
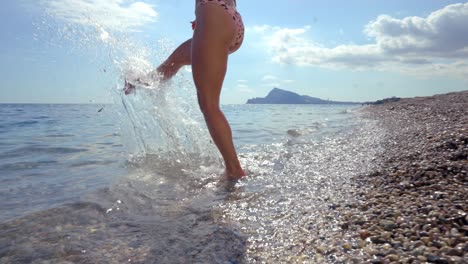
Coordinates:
[426,240]
[378,260]
[423,234]
[347,246]
[396,244]
[392,252]
[387,225]
[435,243]
[321,250]
[454,252]
[345,226]
[418,244]
[452,242]
[378,240]
[357,220]
[387,247]
[445,249]
[421,258]
[331,251]
[418,251]
[386,235]
[427,227]
[455,259]
[361,244]
[319,259]
[393,257]
[436,259]
[370,251]
[363,234]
[454,232]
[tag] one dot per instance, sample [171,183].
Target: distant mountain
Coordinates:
[279,96]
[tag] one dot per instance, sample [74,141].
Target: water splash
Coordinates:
[161,120]
[166,124]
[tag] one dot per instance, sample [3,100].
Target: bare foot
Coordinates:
[167,71]
[128,88]
[234,175]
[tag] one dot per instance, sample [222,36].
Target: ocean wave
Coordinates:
[26,151]
[301,132]
[348,111]
[20,166]
[41,117]
[91,163]
[24,123]
[59,135]
[312,128]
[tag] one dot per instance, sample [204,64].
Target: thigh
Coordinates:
[182,54]
[210,50]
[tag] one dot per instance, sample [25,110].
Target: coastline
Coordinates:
[398,195]
[413,209]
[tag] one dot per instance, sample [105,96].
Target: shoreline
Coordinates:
[413,209]
[399,196]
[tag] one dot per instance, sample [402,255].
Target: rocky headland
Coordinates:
[280,96]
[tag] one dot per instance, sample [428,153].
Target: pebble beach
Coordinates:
[413,208]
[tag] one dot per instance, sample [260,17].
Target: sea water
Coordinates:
[72,190]
[53,154]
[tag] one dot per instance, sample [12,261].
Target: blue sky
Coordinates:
[66,51]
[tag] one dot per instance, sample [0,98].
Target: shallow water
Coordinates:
[51,154]
[78,185]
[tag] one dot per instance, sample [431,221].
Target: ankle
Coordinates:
[235,172]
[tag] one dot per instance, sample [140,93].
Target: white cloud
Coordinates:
[269,77]
[290,46]
[414,45]
[258,29]
[244,88]
[444,33]
[272,84]
[274,81]
[119,15]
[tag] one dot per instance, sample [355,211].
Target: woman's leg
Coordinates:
[210,49]
[179,58]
